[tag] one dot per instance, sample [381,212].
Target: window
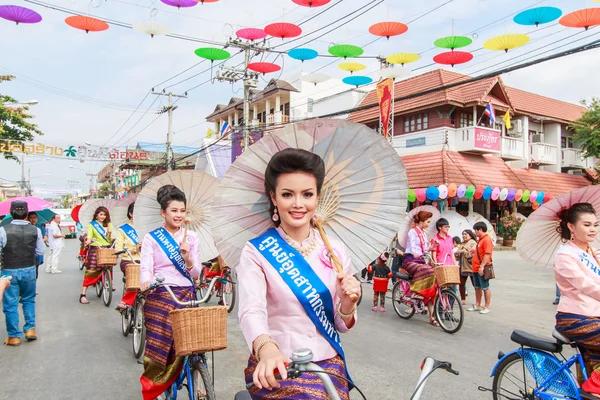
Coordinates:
[419,122]
[425,121]
[412,123]
[310,105]
[416,122]
[465,120]
[406,124]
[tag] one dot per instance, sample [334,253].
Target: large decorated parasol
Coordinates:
[87,24]
[345,50]
[407,223]
[251,34]
[18,14]
[363,198]
[357,80]
[151,28]
[388,29]
[453,58]
[507,42]
[538,239]
[118,214]
[87,210]
[283,30]
[303,54]
[402,58]
[199,189]
[316,78]
[537,16]
[582,18]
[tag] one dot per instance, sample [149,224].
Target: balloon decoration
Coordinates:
[352,67]
[503,194]
[511,195]
[357,80]
[388,29]
[526,195]
[345,50]
[212,53]
[584,18]
[537,16]
[251,34]
[452,190]
[496,193]
[470,192]
[453,58]
[412,196]
[443,189]
[479,192]
[432,193]
[421,195]
[18,14]
[506,42]
[87,24]
[452,42]
[264,67]
[283,30]
[519,195]
[316,78]
[311,3]
[303,54]
[487,193]
[402,58]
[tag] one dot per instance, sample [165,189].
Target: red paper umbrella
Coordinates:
[311,3]
[251,34]
[283,30]
[75,213]
[453,57]
[264,67]
[87,24]
[206,1]
[582,18]
[387,29]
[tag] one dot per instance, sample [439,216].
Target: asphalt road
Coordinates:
[81,354]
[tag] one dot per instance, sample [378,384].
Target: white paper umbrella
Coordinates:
[316,77]
[394,72]
[199,189]
[118,215]
[474,217]
[457,222]
[86,213]
[361,204]
[151,28]
[407,223]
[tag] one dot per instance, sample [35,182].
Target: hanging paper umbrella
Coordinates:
[496,193]
[452,42]
[452,189]
[421,196]
[453,57]
[151,28]
[470,193]
[87,24]
[503,194]
[487,193]
[526,195]
[357,80]
[479,192]
[212,53]
[264,67]
[519,195]
[540,197]
[18,14]
[507,42]
[345,51]
[533,196]
[461,191]
[547,197]
[402,58]
[538,15]
[511,195]
[180,3]
[352,67]
[411,196]
[443,191]
[251,34]
[303,54]
[315,78]
[388,29]
[283,30]
[206,1]
[311,3]
[582,18]
[394,72]
[432,193]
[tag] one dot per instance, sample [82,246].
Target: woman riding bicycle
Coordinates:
[127,237]
[282,274]
[577,271]
[99,234]
[166,253]
[417,245]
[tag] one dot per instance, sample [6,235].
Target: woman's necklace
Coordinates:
[305,251]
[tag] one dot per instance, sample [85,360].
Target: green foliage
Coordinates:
[509,226]
[14,124]
[587,128]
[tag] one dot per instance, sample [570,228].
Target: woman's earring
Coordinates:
[275,216]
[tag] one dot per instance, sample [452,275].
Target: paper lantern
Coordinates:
[511,195]
[519,195]
[547,197]
[151,28]
[495,193]
[479,192]
[506,42]
[421,195]
[535,206]
[303,54]
[443,189]
[452,42]
[470,193]
[251,34]
[212,53]
[316,77]
[537,16]
[388,29]
[87,24]
[180,3]
[283,30]
[357,80]
[402,58]
[540,197]
[453,58]
[352,67]
[533,196]
[526,195]
[412,196]
[452,190]
[18,14]
[264,67]
[311,3]
[503,194]
[487,193]
[345,50]
[581,18]
[432,193]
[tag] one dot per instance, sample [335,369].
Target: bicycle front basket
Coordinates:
[542,365]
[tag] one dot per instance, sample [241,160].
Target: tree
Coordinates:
[14,124]
[587,128]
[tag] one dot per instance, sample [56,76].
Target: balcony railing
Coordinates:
[574,159]
[512,148]
[543,153]
[478,139]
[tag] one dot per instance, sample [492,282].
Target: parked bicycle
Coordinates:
[224,288]
[534,372]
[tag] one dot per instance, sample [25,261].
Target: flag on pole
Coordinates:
[209,133]
[506,119]
[489,111]
[225,129]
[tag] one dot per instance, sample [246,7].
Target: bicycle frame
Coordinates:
[186,373]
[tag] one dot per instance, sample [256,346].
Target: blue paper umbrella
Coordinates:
[487,193]
[303,54]
[537,16]
[357,80]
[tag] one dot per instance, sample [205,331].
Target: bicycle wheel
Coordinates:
[99,288]
[403,308]
[228,295]
[126,321]
[138,336]
[201,387]
[107,288]
[448,311]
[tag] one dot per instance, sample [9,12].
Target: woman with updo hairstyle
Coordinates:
[159,247]
[417,245]
[127,238]
[577,271]
[283,266]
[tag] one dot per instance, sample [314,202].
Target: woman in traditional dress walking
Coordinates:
[100,233]
[127,237]
[278,270]
[159,247]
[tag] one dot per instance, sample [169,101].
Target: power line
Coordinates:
[127,120]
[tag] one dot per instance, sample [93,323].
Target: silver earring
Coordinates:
[275,216]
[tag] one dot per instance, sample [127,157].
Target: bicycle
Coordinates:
[536,362]
[128,312]
[448,310]
[104,286]
[302,363]
[224,288]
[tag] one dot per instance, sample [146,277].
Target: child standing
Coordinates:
[381,276]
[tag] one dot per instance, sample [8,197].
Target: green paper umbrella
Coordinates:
[470,192]
[345,50]
[453,42]
[412,196]
[525,197]
[212,53]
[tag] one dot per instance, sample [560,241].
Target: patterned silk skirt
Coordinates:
[423,280]
[93,271]
[307,386]
[585,331]
[161,365]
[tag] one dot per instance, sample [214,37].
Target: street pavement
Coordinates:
[81,354]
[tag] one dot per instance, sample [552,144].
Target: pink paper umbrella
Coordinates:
[33,204]
[19,14]
[251,34]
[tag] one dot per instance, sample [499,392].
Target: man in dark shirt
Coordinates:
[20,242]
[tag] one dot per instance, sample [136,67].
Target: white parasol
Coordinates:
[199,189]
[118,215]
[457,222]
[474,217]
[87,210]
[361,204]
[407,223]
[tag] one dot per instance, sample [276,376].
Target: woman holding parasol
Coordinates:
[127,237]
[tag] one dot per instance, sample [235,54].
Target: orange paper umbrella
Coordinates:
[403,58]
[581,18]
[352,66]
[387,29]
[87,24]
[506,42]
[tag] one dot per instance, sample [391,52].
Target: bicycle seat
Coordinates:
[244,395]
[561,339]
[405,277]
[207,263]
[529,340]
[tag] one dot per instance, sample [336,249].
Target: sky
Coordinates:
[88,85]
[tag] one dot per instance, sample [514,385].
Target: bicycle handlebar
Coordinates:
[191,303]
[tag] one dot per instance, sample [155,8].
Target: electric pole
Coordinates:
[169,110]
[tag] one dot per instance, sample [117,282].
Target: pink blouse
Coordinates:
[268,306]
[154,261]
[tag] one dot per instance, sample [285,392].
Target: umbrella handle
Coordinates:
[185,230]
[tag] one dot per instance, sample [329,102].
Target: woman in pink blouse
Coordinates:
[577,271]
[166,253]
[284,266]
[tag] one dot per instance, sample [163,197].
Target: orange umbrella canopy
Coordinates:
[87,24]
[388,29]
[581,18]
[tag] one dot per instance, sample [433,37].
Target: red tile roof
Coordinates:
[550,182]
[531,103]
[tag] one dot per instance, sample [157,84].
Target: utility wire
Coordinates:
[127,120]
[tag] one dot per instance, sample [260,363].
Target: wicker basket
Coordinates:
[199,329]
[447,275]
[132,277]
[106,257]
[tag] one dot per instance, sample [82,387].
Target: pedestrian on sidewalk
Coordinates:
[381,278]
[482,257]
[33,218]
[55,242]
[465,262]
[20,242]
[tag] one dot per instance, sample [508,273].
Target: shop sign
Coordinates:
[416,142]
[486,139]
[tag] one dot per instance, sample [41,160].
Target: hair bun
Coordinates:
[164,192]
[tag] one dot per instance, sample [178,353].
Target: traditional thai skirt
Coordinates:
[423,280]
[93,271]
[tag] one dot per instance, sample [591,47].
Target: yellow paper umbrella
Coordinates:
[403,58]
[507,42]
[352,67]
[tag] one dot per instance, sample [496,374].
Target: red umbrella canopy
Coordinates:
[87,24]
[283,30]
[75,213]
[311,3]
[388,29]
[453,57]
[581,18]
[264,67]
